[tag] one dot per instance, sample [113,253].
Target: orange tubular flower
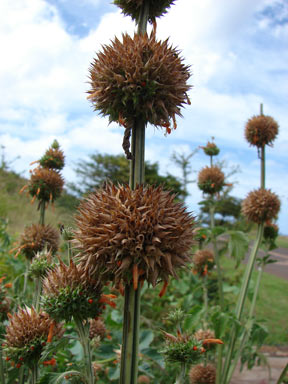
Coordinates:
[164,288]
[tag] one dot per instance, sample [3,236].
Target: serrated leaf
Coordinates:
[238,245]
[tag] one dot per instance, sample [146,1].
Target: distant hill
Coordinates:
[19,211]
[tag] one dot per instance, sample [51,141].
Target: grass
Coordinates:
[272,303]
[282,242]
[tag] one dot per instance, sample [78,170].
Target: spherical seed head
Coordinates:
[26,333]
[202,375]
[120,229]
[270,231]
[261,205]
[132,8]
[97,329]
[53,158]
[203,258]
[261,130]
[36,238]
[211,180]
[144,379]
[183,349]
[69,291]
[45,184]
[41,264]
[139,78]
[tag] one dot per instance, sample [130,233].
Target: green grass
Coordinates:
[282,241]
[272,303]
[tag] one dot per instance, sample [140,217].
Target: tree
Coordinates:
[100,168]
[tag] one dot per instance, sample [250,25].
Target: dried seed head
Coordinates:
[54,157]
[45,184]
[97,329]
[26,334]
[203,260]
[36,238]
[132,8]
[139,78]
[261,130]
[69,291]
[124,234]
[211,149]
[211,180]
[144,379]
[203,375]
[261,205]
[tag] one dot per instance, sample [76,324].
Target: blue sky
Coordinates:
[238,52]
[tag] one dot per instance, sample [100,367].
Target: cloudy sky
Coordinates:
[238,52]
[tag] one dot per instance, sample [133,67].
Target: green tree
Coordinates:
[99,168]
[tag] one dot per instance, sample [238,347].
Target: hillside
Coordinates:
[19,211]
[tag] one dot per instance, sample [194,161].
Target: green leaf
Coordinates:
[218,231]
[53,347]
[146,338]
[58,378]
[238,245]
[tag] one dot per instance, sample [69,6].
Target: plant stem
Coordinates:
[217,259]
[42,212]
[182,375]
[83,332]
[131,321]
[205,300]
[34,371]
[37,294]
[2,377]
[282,376]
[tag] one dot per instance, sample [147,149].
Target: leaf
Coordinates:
[146,338]
[53,347]
[56,378]
[218,231]
[238,245]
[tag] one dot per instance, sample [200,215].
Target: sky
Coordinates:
[238,53]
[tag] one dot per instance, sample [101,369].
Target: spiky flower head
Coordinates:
[261,130]
[261,205]
[27,334]
[139,78]
[211,180]
[41,264]
[126,234]
[97,328]
[203,260]
[270,232]
[36,238]
[200,374]
[144,379]
[132,8]
[45,184]
[203,334]
[53,158]
[182,348]
[69,291]
[211,149]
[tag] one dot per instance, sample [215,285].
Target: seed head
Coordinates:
[97,329]
[261,205]
[261,130]
[69,291]
[36,238]
[144,379]
[202,334]
[53,158]
[4,301]
[26,334]
[139,78]
[270,232]
[203,260]
[126,234]
[45,184]
[41,264]
[211,149]
[202,375]
[132,8]
[211,180]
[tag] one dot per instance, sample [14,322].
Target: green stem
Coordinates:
[37,294]
[205,300]
[182,375]
[241,299]
[217,259]
[219,364]
[83,332]
[26,277]
[22,375]
[262,155]
[283,374]
[2,377]
[34,371]
[42,213]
